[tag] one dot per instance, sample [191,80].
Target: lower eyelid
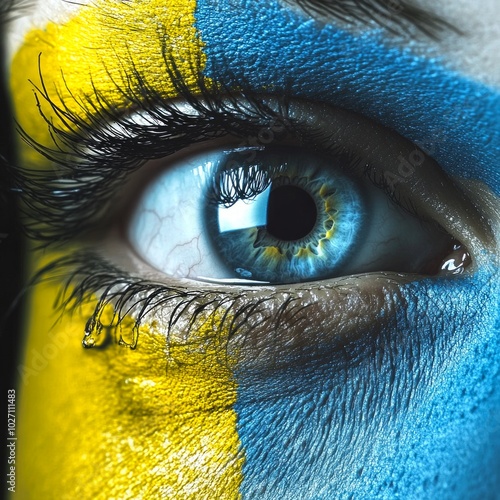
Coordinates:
[272,327]
[306,325]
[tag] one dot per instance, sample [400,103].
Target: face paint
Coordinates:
[343,425]
[417,97]
[417,418]
[376,417]
[156,421]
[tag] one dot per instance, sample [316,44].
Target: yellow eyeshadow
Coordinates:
[100,50]
[155,422]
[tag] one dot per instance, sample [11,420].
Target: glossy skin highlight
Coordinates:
[407,407]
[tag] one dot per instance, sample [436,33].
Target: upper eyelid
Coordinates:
[120,168]
[385,98]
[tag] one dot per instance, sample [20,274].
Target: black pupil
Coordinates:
[291,213]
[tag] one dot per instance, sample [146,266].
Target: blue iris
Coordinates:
[301,225]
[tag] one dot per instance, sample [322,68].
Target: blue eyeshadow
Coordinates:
[266,46]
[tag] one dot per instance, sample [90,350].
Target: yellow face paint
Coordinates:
[98,51]
[155,422]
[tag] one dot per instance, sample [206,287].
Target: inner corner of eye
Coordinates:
[280,215]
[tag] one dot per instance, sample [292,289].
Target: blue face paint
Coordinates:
[412,412]
[268,47]
[412,409]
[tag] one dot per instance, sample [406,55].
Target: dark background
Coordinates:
[11,258]
[10,238]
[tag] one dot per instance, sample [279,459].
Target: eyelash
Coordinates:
[382,12]
[88,148]
[127,293]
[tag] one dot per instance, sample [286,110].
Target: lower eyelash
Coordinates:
[264,328]
[85,275]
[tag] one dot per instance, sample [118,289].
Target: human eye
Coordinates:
[270,214]
[358,167]
[168,159]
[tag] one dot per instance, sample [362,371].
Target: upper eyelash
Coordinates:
[90,159]
[12,9]
[62,206]
[72,155]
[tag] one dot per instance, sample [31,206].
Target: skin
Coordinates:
[387,386]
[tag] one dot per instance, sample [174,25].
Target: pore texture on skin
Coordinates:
[408,409]
[418,418]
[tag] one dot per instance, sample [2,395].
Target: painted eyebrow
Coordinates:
[392,15]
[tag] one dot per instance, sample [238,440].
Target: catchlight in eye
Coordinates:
[302,226]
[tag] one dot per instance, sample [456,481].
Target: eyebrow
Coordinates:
[392,15]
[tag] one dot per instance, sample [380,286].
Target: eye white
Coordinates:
[167,228]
